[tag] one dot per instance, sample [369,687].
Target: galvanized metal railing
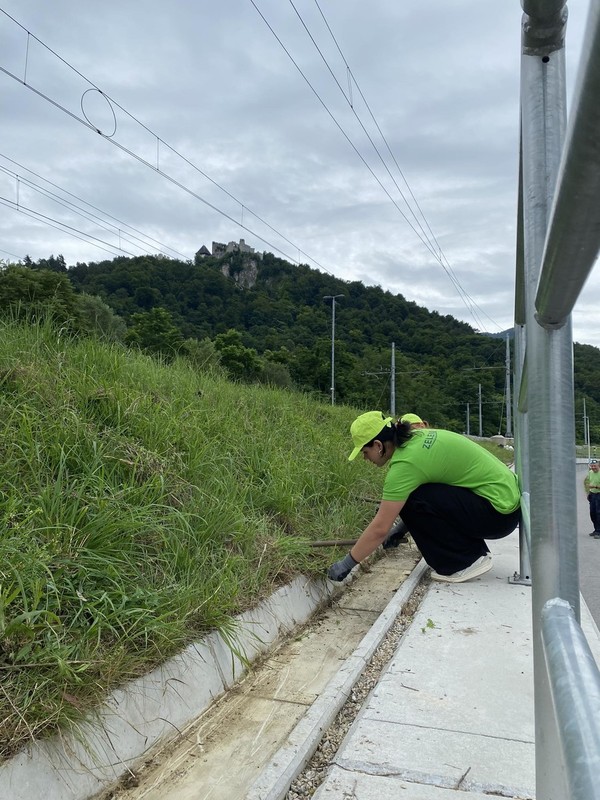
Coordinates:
[575,691]
[558,241]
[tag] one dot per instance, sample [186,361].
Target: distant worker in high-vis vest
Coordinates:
[592,490]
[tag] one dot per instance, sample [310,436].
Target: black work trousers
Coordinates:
[594,501]
[449,525]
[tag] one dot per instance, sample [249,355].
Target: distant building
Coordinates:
[203,252]
[219,249]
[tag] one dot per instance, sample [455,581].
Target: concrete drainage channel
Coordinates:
[311,776]
[192,730]
[299,767]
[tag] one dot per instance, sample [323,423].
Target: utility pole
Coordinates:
[333,298]
[393,382]
[480,418]
[586,430]
[468,419]
[509,433]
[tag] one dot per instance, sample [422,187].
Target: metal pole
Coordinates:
[549,367]
[333,298]
[480,418]
[468,419]
[587,431]
[509,432]
[520,394]
[393,382]
[520,383]
[333,352]
[585,439]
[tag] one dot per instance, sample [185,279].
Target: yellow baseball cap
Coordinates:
[412,418]
[365,428]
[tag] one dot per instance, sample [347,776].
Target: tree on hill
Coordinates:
[98,319]
[34,294]
[284,313]
[52,263]
[241,362]
[155,332]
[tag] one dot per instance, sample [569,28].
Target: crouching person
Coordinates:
[450,492]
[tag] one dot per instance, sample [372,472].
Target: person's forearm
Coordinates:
[370,539]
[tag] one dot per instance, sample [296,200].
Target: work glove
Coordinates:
[396,536]
[342,568]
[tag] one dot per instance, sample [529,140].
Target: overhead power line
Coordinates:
[421,233]
[82,119]
[160,143]
[61,226]
[122,230]
[469,301]
[7,253]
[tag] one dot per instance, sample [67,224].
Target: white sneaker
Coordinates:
[483,564]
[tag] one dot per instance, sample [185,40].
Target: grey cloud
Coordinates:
[211,80]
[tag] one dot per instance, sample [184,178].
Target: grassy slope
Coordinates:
[142,505]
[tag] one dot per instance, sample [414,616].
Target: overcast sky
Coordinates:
[216,133]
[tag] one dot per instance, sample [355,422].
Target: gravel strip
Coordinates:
[309,780]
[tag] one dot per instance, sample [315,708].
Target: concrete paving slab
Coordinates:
[454,708]
[342,785]
[442,671]
[441,757]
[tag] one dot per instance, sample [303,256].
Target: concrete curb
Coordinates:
[274,781]
[153,708]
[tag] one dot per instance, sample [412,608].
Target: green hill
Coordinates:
[281,313]
[266,320]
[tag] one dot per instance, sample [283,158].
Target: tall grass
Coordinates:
[142,505]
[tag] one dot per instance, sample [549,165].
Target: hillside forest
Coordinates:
[265,320]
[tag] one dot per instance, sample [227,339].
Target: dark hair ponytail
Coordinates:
[398,433]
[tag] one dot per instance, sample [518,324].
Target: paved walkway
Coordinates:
[454,709]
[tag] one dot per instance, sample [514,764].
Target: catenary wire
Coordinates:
[82,212]
[425,241]
[351,104]
[442,256]
[6,252]
[69,206]
[338,125]
[144,161]
[178,183]
[54,223]
[90,205]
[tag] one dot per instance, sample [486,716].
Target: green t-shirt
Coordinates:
[440,456]
[592,482]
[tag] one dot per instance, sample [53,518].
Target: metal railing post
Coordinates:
[550,413]
[520,393]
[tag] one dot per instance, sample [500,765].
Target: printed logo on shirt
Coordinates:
[429,439]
